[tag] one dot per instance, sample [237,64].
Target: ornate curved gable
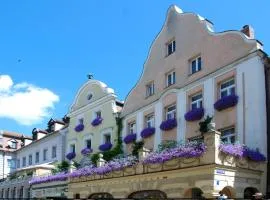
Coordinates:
[194,36]
[90,92]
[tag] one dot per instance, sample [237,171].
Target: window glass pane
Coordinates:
[169,81]
[174,46]
[81,121]
[199,63]
[196,97]
[171,108]
[169,48]
[223,93]
[232,90]
[193,66]
[193,106]
[173,78]
[107,138]
[88,144]
[232,139]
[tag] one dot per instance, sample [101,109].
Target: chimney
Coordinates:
[248,31]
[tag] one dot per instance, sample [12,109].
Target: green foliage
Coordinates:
[61,167]
[13,176]
[76,164]
[136,146]
[204,124]
[168,144]
[29,173]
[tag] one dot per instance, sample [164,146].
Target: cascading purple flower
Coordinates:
[96,121]
[79,128]
[226,102]
[105,147]
[57,177]
[147,132]
[86,151]
[194,114]
[130,138]
[254,155]
[71,155]
[168,124]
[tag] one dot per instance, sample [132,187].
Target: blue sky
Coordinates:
[48,47]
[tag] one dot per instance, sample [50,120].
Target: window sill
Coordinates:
[149,96]
[169,55]
[190,74]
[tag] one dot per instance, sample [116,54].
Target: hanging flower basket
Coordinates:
[79,128]
[194,114]
[105,147]
[168,124]
[226,102]
[96,121]
[86,151]
[147,132]
[130,138]
[71,155]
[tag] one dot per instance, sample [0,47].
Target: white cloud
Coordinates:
[25,103]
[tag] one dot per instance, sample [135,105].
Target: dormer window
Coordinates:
[89,96]
[171,47]
[12,144]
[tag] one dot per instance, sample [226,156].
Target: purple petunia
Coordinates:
[130,138]
[194,114]
[86,151]
[96,121]
[168,124]
[226,102]
[79,128]
[63,176]
[71,155]
[147,132]
[105,147]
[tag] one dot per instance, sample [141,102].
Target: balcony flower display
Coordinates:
[130,138]
[105,147]
[79,128]
[147,132]
[168,124]
[45,179]
[188,150]
[86,151]
[96,121]
[194,114]
[71,155]
[226,102]
[241,151]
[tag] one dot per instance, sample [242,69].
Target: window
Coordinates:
[88,144]
[228,135]
[89,96]
[11,163]
[171,47]
[45,151]
[18,163]
[107,138]
[170,78]
[196,101]
[98,114]
[37,157]
[150,121]
[54,152]
[150,89]
[132,127]
[227,88]
[13,144]
[80,121]
[72,148]
[30,159]
[171,112]
[24,161]
[196,65]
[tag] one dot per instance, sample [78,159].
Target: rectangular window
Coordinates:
[150,89]
[37,157]
[72,148]
[107,138]
[54,152]
[88,144]
[98,114]
[132,127]
[228,135]
[170,78]
[196,101]
[80,121]
[24,161]
[150,121]
[11,163]
[45,152]
[30,159]
[171,46]
[227,88]
[195,65]
[18,163]
[13,144]
[171,112]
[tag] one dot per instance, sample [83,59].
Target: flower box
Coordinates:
[226,102]
[130,138]
[194,114]
[79,128]
[96,121]
[71,155]
[168,124]
[86,151]
[105,147]
[147,132]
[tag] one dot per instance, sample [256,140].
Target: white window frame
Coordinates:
[54,153]
[171,113]
[173,46]
[228,88]
[150,121]
[197,67]
[150,89]
[198,102]
[132,127]
[228,137]
[172,80]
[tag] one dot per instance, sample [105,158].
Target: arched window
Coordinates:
[194,193]
[148,194]
[249,192]
[103,195]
